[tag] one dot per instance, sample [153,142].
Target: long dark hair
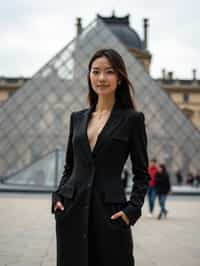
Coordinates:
[163,167]
[124,89]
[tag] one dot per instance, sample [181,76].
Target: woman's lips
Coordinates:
[103,86]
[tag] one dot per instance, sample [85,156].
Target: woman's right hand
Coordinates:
[59,206]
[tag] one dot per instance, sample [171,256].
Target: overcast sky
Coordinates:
[32,31]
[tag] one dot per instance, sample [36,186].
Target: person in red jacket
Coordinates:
[151,193]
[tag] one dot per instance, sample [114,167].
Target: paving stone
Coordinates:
[27,232]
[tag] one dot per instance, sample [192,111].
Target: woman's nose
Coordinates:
[101,76]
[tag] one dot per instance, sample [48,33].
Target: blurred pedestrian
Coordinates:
[163,187]
[151,193]
[197,179]
[179,177]
[190,179]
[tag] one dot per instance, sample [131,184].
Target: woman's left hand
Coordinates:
[122,214]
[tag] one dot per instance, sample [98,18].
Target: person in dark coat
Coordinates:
[190,179]
[179,177]
[92,214]
[163,186]
[197,179]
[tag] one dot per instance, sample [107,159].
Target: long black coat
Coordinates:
[91,190]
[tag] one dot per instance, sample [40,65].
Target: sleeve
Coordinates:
[68,166]
[139,160]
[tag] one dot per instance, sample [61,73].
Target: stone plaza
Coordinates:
[27,232]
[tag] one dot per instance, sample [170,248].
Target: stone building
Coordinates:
[9,85]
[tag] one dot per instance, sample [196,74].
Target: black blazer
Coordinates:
[123,134]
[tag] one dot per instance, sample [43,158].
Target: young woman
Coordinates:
[93,216]
[163,186]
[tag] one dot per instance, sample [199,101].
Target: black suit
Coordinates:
[91,190]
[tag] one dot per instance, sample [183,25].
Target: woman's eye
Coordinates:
[110,72]
[95,72]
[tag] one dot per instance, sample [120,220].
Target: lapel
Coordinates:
[114,120]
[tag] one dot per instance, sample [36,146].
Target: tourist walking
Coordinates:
[151,193]
[163,186]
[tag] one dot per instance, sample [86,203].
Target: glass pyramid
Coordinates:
[34,121]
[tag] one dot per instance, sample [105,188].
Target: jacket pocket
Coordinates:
[111,207]
[122,223]
[114,197]
[67,191]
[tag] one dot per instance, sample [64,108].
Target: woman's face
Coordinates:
[103,77]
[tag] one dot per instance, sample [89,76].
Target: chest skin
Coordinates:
[95,126]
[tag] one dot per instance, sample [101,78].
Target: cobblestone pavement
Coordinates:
[27,232]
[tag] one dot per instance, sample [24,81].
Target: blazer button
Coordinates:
[89,185]
[84,235]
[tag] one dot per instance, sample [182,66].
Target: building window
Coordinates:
[186,97]
[188,112]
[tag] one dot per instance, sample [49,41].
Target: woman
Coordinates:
[162,188]
[93,216]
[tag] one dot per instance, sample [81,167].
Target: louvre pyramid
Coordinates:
[34,121]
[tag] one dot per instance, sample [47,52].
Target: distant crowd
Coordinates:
[191,179]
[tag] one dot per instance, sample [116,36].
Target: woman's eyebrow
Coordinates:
[105,68]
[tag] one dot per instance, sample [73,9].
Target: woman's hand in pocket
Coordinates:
[120,214]
[58,206]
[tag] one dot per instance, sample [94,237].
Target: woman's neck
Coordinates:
[104,104]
